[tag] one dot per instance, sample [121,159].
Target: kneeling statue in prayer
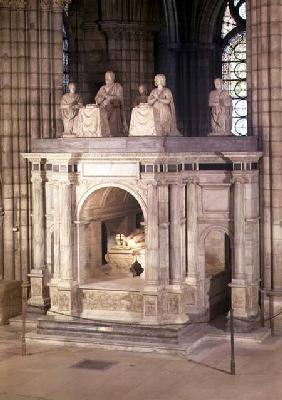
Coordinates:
[220,102]
[111,104]
[161,100]
[70,105]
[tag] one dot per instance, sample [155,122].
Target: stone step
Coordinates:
[115,331]
[31,320]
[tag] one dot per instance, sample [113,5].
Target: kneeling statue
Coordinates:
[142,122]
[220,102]
[161,99]
[111,104]
[70,105]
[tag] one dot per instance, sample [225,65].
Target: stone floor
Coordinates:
[50,372]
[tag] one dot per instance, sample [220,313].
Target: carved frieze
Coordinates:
[112,301]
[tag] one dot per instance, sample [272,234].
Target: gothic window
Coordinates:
[234,71]
[66,49]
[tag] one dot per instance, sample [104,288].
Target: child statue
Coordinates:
[142,121]
[143,96]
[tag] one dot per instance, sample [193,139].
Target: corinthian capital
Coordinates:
[45,4]
[13,3]
[59,4]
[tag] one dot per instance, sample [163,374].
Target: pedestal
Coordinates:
[245,305]
[39,300]
[68,298]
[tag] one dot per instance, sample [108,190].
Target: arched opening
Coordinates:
[111,238]
[218,268]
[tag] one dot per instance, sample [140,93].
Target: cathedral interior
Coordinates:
[141,164]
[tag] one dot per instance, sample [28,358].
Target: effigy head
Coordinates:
[109,77]
[160,80]
[142,89]
[218,83]
[72,87]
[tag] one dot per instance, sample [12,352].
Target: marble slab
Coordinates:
[146,144]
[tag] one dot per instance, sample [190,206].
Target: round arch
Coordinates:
[212,228]
[109,185]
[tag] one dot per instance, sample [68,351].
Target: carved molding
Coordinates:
[59,4]
[13,3]
[56,5]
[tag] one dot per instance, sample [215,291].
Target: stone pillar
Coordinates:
[264,63]
[244,285]
[239,227]
[176,205]
[39,299]
[193,277]
[163,193]
[67,286]
[53,200]
[152,256]
[13,105]
[152,307]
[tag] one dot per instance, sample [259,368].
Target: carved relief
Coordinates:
[36,288]
[112,301]
[54,297]
[172,304]
[150,306]
[64,301]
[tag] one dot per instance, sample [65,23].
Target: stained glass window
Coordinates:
[234,71]
[66,49]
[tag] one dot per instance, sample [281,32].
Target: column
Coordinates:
[163,193]
[193,279]
[38,299]
[152,256]
[67,287]
[192,230]
[175,235]
[152,306]
[264,63]
[7,138]
[239,228]
[244,285]
[53,201]
[66,244]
